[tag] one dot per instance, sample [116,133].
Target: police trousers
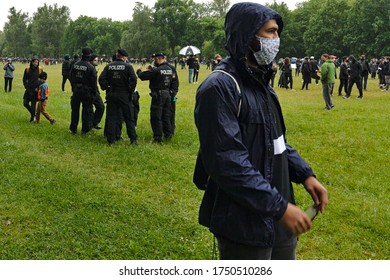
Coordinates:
[119,107]
[160,114]
[84,99]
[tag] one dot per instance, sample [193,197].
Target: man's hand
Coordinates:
[296,220]
[318,193]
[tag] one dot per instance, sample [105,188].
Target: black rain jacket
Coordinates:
[235,159]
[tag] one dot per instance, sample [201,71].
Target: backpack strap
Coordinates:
[237,85]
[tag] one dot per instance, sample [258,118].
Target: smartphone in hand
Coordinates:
[311,212]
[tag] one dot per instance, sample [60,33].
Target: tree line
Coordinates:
[314,27]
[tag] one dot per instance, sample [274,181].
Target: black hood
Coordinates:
[240,33]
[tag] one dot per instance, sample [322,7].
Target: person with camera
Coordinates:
[9,69]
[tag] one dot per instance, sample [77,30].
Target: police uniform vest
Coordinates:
[81,75]
[118,76]
[163,80]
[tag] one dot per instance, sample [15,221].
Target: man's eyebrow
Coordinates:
[273,28]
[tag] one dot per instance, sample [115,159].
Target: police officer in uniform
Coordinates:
[84,87]
[174,88]
[160,78]
[119,80]
[97,101]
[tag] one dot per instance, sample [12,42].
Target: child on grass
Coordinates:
[43,95]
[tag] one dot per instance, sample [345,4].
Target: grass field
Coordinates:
[73,197]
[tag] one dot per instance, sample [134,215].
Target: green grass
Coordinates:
[71,197]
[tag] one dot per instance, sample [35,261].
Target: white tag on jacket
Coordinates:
[279,145]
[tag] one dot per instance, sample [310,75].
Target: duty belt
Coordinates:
[162,91]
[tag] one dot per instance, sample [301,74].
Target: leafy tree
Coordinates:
[212,30]
[142,37]
[325,32]
[368,27]
[106,36]
[17,37]
[48,28]
[289,35]
[171,16]
[219,8]
[2,43]
[78,34]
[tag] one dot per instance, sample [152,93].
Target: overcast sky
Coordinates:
[119,10]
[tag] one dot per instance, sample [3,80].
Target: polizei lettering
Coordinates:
[80,67]
[116,67]
[166,72]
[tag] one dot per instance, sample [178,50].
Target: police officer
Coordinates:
[174,88]
[119,80]
[160,78]
[84,87]
[97,101]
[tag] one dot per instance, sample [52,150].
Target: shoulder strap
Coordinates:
[237,85]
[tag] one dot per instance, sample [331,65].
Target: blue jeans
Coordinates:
[190,75]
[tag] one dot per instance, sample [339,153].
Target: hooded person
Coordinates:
[355,77]
[31,83]
[244,164]
[66,66]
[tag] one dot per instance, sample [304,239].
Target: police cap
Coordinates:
[158,54]
[87,51]
[122,52]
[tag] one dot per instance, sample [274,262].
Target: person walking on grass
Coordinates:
[343,76]
[43,96]
[31,82]
[328,72]
[355,77]
[244,164]
[66,66]
[306,74]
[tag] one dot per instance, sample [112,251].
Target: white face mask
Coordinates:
[269,48]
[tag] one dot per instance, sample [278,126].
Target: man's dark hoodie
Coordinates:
[235,164]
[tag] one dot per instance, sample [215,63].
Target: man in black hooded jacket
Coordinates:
[355,77]
[244,163]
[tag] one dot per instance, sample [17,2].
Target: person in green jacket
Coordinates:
[328,73]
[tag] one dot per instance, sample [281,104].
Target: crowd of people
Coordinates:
[349,71]
[352,72]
